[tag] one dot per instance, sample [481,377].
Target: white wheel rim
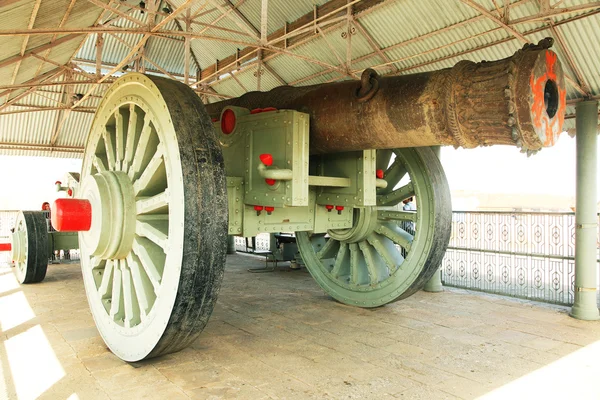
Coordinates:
[131,294]
[19,247]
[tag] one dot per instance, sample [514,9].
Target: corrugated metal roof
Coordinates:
[416,35]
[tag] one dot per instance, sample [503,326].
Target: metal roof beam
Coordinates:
[38,147]
[581,84]
[242,22]
[491,16]
[373,44]
[556,11]
[495,43]
[29,53]
[34,13]
[89,110]
[120,13]
[125,60]
[54,74]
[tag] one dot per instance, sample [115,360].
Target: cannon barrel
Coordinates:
[519,100]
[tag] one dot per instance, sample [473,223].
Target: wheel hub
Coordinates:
[365,222]
[112,229]
[18,246]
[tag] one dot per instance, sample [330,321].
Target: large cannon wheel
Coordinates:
[154,256]
[29,246]
[389,253]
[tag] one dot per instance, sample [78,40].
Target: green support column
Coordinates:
[434,285]
[586,274]
[230,244]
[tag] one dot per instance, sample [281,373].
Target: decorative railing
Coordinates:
[526,255]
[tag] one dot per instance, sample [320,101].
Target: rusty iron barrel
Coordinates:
[519,100]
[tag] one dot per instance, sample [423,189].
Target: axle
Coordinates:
[520,100]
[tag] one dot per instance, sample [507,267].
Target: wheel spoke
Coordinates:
[146,178]
[110,150]
[149,204]
[142,247]
[107,280]
[354,267]
[396,196]
[367,251]
[120,139]
[397,215]
[392,264]
[96,262]
[155,230]
[140,149]
[400,237]
[339,259]
[132,310]
[99,164]
[394,174]
[116,305]
[144,290]
[383,159]
[131,136]
[328,250]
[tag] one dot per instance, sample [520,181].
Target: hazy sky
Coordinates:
[27,182]
[502,169]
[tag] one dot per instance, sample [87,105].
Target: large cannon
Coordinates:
[163,185]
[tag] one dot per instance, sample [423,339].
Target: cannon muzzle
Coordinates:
[519,100]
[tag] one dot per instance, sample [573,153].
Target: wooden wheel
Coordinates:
[154,256]
[29,246]
[389,253]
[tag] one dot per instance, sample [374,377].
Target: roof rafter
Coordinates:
[495,19]
[34,12]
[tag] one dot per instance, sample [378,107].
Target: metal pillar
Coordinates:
[230,244]
[586,274]
[434,285]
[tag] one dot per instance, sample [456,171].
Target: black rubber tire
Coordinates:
[443,219]
[37,247]
[206,217]
[188,301]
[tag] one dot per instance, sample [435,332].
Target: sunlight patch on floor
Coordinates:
[573,376]
[14,311]
[8,282]
[33,364]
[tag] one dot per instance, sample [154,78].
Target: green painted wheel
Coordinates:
[29,246]
[389,253]
[154,256]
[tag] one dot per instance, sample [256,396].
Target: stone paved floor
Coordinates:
[276,335]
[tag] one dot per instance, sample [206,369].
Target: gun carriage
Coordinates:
[165,179]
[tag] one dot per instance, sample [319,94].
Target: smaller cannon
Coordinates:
[165,179]
[33,241]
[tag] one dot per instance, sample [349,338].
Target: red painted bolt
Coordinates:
[266,159]
[258,209]
[228,121]
[329,207]
[379,173]
[269,210]
[339,209]
[71,215]
[270,182]
[268,109]
[70,192]
[5,247]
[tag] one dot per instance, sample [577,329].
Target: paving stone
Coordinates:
[278,336]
